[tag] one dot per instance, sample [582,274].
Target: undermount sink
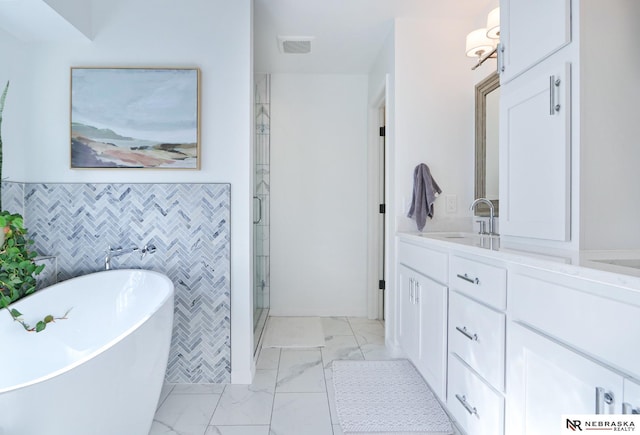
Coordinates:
[624,262]
[480,240]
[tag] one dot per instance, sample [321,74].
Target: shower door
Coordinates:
[261,206]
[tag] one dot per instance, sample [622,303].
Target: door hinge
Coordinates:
[383,131]
[381,284]
[383,208]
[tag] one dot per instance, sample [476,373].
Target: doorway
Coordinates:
[377,279]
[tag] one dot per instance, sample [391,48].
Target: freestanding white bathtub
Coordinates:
[97,373]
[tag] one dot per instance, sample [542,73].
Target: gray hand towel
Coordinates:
[425,190]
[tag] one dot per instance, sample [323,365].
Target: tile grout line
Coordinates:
[324,376]
[273,402]
[215,408]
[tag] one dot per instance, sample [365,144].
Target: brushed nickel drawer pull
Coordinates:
[628,408]
[471,410]
[464,332]
[603,398]
[471,280]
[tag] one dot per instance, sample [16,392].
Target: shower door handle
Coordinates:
[259,210]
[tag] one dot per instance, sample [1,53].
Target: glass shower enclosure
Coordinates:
[261,288]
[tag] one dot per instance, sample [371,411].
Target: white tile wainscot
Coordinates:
[519,319]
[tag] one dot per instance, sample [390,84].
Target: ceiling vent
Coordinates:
[295,44]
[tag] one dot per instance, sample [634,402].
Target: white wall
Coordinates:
[434,118]
[430,119]
[318,194]
[609,127]
[213,35]
[15,123]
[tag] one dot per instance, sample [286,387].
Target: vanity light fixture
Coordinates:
[478,44]
[483,43]
[493,24]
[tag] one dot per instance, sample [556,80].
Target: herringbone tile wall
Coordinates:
[188,224]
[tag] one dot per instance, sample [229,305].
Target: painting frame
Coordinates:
[135,117]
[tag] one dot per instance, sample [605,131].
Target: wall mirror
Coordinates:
[487,117]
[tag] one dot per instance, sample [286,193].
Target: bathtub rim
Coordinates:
[136,325]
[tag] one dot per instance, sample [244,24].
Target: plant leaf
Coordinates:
[40,326]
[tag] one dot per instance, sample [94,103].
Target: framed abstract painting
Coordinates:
[135,118]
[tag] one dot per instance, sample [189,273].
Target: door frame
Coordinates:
[376,239]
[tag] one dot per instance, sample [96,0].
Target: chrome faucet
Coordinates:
[491,212]
[116,252]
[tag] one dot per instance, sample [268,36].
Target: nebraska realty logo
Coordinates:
[611,423]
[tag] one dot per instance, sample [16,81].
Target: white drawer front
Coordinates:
[481,281]
[591,323]
[426,261]
[477,335]
[476,407]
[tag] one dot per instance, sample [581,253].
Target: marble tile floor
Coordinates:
[292,393]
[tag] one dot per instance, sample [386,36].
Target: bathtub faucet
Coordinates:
[116,252]
[147,249]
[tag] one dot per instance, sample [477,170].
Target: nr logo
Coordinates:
[574,425]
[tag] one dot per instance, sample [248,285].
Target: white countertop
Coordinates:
[591,265]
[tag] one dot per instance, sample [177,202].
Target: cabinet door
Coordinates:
[546,380]
[409,324]
[535,155]
[530,31]
[432,304]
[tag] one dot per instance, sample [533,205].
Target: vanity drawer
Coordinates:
[480,281]
[476,406]
[477,336]
[568,310]
[424,260]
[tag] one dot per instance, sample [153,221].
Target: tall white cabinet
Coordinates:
[568,145]
[535,119]
[530,32]
[535,154]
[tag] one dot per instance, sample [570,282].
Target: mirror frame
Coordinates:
[483,88]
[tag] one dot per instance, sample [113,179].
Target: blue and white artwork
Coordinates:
[134,118]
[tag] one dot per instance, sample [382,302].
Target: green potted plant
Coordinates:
[17,267]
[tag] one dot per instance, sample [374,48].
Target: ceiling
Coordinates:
[348,34]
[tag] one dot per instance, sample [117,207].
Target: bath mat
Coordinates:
[386,397]
[293,332]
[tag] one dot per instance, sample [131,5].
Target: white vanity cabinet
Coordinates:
[547,380]
[476,334]
[568,350]
[423,312]
[530,31]
[528,339]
